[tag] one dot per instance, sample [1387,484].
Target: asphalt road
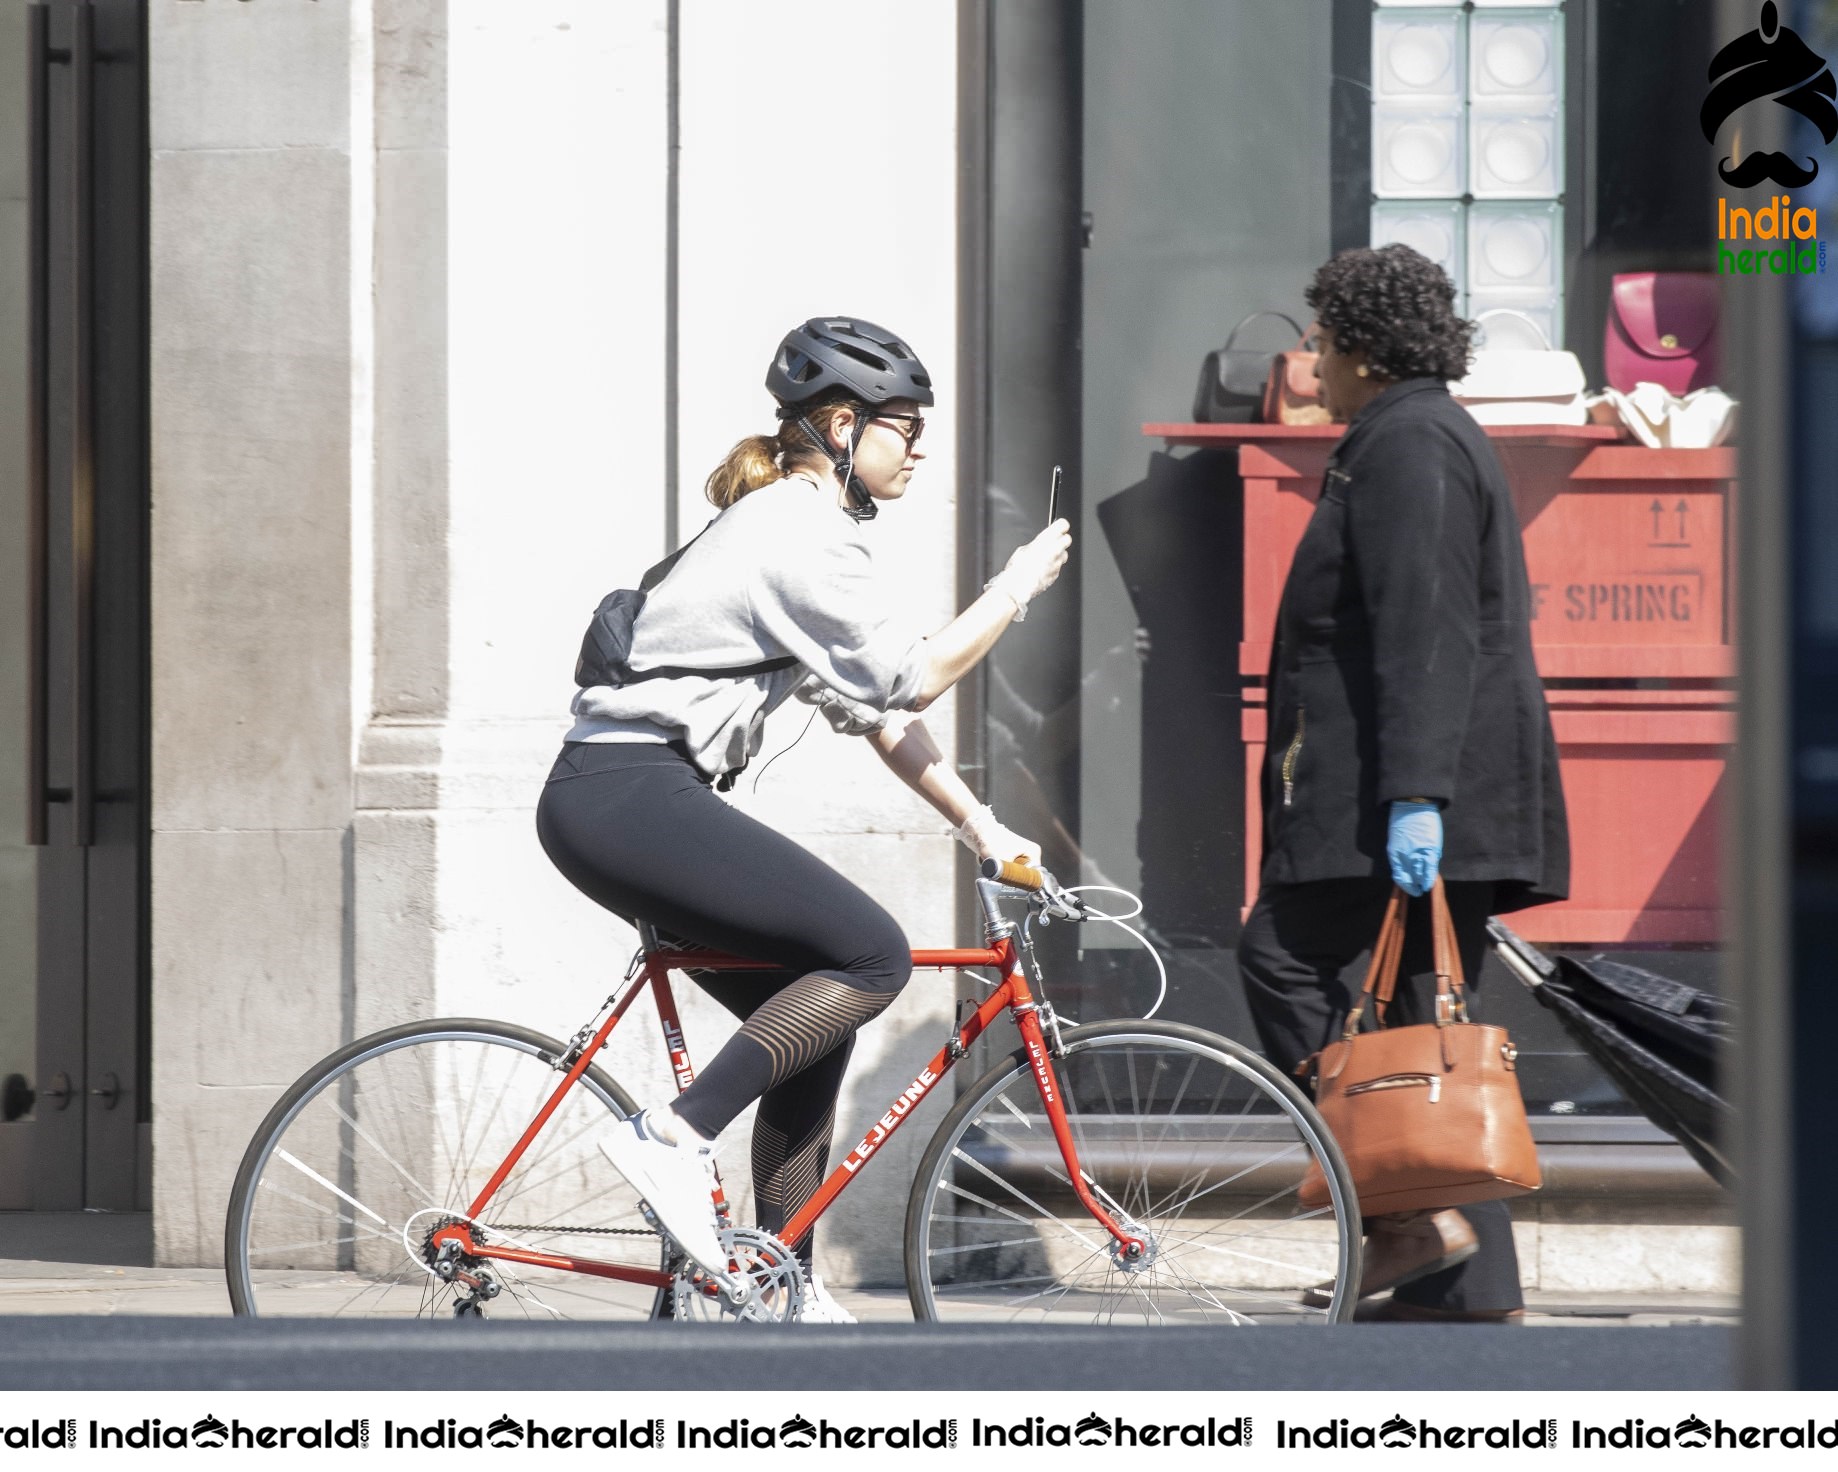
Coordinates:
[153,1353]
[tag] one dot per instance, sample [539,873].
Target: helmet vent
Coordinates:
[880,365]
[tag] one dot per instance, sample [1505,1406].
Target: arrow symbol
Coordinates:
[1658,511]
[1682,509]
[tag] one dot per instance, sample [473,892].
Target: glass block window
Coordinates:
[1468,154]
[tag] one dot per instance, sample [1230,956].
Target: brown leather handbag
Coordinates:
[1428,1115]
[1291,393]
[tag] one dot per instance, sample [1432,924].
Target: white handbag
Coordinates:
[1661,420]
[1523,385]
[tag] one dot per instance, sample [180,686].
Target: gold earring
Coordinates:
[1361,370]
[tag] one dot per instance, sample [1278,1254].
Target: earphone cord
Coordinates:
[781,752]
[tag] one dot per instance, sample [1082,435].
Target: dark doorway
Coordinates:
[74,1097]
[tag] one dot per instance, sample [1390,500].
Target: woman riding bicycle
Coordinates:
[776,598]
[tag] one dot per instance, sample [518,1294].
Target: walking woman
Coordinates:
[777,598]
[1408,729]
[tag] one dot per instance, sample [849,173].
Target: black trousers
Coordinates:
[638,829]
[1303,957]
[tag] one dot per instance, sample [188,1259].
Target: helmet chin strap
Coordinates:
[861,505]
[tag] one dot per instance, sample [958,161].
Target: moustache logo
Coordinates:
[1761,166]
[1770,63]
[210,1432]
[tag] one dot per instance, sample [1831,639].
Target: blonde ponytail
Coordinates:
[752,463]
[760,459]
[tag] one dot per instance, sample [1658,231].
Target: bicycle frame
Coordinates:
[1012,994]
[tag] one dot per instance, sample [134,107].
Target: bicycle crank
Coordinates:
[770,1270]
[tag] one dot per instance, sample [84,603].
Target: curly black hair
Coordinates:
[1397,305]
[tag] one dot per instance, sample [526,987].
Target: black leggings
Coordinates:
[637,829]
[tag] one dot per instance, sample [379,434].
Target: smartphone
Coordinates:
[1053,498]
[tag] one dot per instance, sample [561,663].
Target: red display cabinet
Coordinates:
[1631,562]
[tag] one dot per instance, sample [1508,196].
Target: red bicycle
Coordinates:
[1115,1172]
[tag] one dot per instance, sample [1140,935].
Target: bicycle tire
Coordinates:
[336,1172]
[1197,1139]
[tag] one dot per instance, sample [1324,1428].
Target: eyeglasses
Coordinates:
[915,426]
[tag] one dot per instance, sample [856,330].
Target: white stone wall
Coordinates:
[409,332]
[784,218]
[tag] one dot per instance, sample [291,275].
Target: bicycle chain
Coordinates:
[509,1227]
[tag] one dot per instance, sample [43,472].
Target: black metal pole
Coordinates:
[1782,869]
[83,450]
[38,489]
[673,158]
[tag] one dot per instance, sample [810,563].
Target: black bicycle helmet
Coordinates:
[863,362]
[867,362]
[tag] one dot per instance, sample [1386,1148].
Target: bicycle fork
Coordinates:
[1130,1247]
[1013,996]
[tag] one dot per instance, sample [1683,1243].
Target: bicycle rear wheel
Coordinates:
[1198,1142]
[394,1135]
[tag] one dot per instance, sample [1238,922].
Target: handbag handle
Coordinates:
[1451,985]
[1232,336]
[1388,953]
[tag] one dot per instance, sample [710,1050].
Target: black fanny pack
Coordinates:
[607,644]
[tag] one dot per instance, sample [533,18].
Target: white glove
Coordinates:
[1033,567]
[988,839]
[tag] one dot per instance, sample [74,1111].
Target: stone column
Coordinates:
[252,415]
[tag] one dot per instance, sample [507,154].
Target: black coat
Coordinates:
[1403,664]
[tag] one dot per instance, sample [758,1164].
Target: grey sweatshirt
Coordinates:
[782,571]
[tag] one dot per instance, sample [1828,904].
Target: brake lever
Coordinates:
[1057,903]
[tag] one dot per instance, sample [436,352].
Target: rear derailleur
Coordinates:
[474,1283]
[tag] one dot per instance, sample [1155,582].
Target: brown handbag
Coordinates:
[1429,1115]
[1291,394]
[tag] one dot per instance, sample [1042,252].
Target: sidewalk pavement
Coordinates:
[89,1289]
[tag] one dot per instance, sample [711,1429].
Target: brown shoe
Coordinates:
[1396,1311]
[1404,1247]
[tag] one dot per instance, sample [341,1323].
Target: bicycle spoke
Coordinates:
[1045,1218]
[1171,1127]
[358,1160]
[387,1158]
[984,1246]
[1204,1293]
[1021,1196]
[320,1209]
[339,1192]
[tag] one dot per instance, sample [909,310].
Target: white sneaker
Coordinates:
[675,1181]
[819,1307]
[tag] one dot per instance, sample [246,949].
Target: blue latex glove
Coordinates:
[1414,846]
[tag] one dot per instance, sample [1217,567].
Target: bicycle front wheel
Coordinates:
[394,1135]
[1192,1142]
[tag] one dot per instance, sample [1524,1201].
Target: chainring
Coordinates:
[770,1266]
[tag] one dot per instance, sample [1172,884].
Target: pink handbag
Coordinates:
[1662,328]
